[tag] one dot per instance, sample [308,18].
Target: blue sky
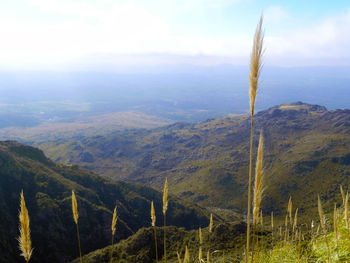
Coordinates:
[76,33]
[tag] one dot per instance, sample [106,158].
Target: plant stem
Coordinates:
[111,259]
[250,184]
[165,259]
[155,242]
[78,235]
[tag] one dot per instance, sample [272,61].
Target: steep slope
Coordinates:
[47,188]
[307,152]
[226,238]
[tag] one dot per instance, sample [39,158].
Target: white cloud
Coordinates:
[107,28]
[275,14]
[328,39]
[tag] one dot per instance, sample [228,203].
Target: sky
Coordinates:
[83,34]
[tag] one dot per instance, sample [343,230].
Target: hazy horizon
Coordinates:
[85,34]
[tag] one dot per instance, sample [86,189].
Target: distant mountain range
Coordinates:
[307,152]
[47,189]
[173,92]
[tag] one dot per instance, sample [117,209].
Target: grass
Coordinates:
[288,242]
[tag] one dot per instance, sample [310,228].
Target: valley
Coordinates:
[207,162]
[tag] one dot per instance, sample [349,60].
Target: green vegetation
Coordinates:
[306,153]
[47,188]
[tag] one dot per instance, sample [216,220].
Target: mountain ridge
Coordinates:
[207,162]
[47,189]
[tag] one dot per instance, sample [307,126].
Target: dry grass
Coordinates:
[255,64]
[211,223]
[321,213]
[113,228]
[76,218]
[187,255]
[290,209]
[258,183]
[153,219]
[165,208]
[25,243]
[255,68]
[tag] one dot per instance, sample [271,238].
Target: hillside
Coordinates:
[307,152]
[47,189]
[226,239]
[79,126]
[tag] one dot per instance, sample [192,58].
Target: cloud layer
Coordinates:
[63,32]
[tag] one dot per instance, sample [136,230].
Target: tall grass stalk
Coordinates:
[346,210]
[76,220]
[200,253]
[295,222]
[25,243]
[335,227]
[342,194]
[290,209]
[153,219]
[255,69]
[178,257]
[258,190]
[165,208]
[187,255]
[323,223]
[113,228]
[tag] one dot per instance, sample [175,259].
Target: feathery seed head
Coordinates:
[295,219]
[290,209]
[153,214]
[342,194]
[335,221]
[286,221]
[200,254]
[165,196]
[255,65]
[346,210]
[75,208]
[211,223]
[272,223]
[187,255]
[178,257]
[320,213]
[258,184]
[114,220]
[200,236]
[25,244]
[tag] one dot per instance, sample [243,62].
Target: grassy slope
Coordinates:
[84,126]
[47,188]
[306,153]
[228,238]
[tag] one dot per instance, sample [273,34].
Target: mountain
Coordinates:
[306,152]
[47,189]
[182,92]
[226,238]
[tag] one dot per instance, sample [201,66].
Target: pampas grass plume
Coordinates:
[114,220]
[25,243]
[153,214]
[255,65]
[258,185]
[290,209]
[187,255]
[321,213]
[165,196]
[346,210]
[75,208]
[211,223]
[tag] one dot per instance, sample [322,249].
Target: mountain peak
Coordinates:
[302,106]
